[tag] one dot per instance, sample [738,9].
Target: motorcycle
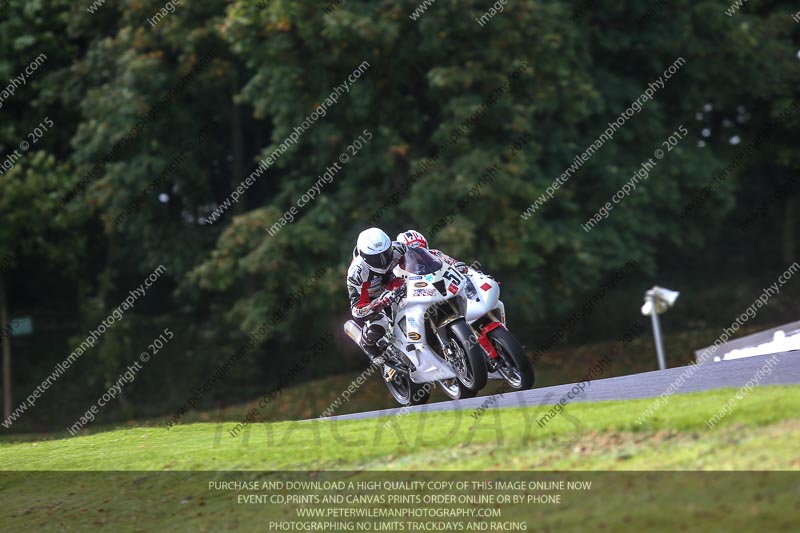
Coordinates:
[429,340]
[505,357]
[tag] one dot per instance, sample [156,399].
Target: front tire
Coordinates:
[471,372]
[513,363]
[406,392]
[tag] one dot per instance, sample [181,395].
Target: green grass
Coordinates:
[150,478]
[761,433]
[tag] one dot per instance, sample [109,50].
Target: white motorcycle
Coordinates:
[505,357]
[429,341]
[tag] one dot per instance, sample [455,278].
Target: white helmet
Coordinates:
[375,248]
[412,239]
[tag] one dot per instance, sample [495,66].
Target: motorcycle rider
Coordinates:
[370,281]
[413,239]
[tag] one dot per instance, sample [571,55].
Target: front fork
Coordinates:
[443,337]
[485,343]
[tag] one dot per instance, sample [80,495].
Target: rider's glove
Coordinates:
[379,303]
[461,267]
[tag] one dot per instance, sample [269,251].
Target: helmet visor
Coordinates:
[379,261]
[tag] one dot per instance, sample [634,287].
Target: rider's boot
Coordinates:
[375,351]
[375,342]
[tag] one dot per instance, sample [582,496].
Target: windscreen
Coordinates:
[419,261]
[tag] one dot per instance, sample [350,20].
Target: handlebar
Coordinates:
[399,293]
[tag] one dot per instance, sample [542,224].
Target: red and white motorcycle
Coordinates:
[505,357]
[430,338]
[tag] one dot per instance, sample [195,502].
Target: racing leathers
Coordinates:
[458,265]
[368,299]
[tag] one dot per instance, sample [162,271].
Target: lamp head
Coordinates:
[660,299]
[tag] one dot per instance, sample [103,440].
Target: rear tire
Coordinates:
[518,370]
[474,375]
[406,392]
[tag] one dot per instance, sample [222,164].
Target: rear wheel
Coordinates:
[467,361]
[406,392]
[512,361]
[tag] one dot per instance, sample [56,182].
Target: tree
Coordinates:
[29,190]
[34,33]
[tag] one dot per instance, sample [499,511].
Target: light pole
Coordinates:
[656,301]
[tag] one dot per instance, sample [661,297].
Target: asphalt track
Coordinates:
[733,374]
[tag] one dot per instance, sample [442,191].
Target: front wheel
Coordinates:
[406,392]
[468,362]
[512,362]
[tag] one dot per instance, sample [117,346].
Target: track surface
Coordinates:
[734,374]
